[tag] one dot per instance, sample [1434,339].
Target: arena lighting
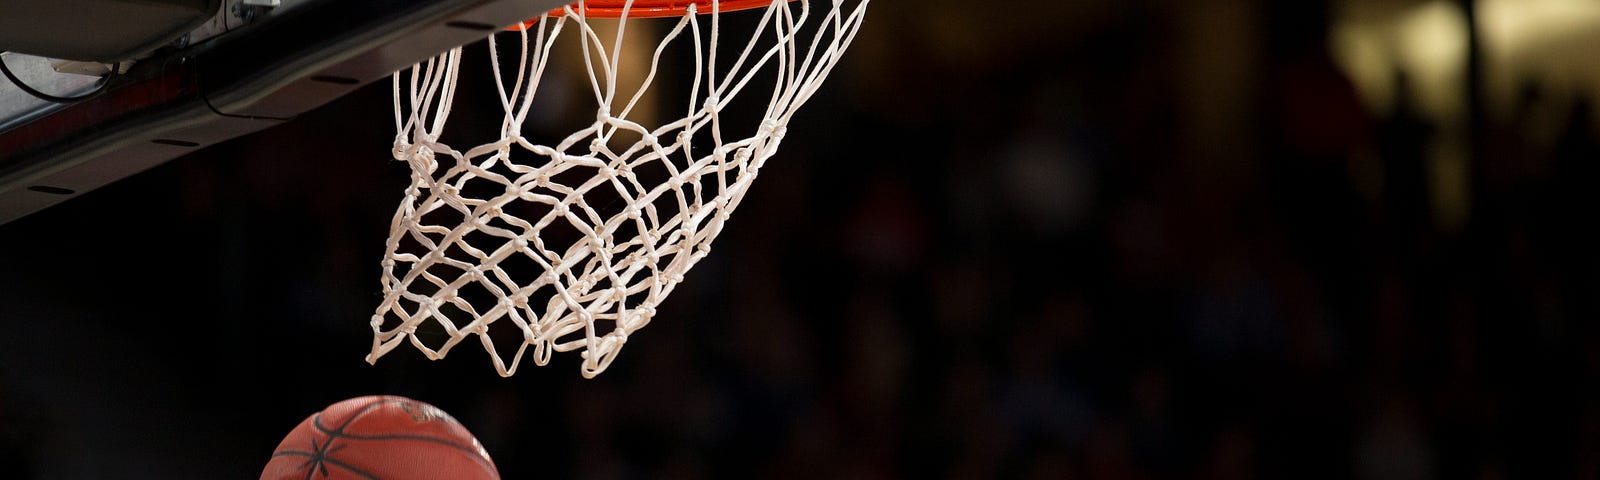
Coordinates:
[1547,39]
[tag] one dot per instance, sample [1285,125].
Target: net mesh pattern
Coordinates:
[571,246]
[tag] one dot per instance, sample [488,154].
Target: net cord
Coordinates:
[588,281]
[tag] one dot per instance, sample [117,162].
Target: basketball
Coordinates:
[380,437]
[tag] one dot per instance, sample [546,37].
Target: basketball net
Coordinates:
[571,246]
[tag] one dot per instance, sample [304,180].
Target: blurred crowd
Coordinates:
[1129,241]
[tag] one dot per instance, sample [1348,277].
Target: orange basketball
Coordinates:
[380,437]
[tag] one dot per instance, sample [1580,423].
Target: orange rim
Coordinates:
[648,9]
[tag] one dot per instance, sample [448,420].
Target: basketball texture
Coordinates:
[380,437]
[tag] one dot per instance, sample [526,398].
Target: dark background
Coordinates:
[1145,239]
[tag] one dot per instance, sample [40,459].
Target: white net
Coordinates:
[571,246]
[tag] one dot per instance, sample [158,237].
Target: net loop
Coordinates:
[574,244]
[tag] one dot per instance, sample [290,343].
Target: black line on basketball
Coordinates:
[363,411]
[472,452]
[339,433]
[351,468]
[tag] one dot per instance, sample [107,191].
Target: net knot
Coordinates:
[772,126]
[419,156]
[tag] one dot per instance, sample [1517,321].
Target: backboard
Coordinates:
[192,73]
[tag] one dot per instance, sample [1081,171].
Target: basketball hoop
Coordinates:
[651,8]
[570,246]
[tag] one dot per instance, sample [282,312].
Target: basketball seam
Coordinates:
[472,452]
[324,460]
[349,467]
[335,433]
[364,409]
